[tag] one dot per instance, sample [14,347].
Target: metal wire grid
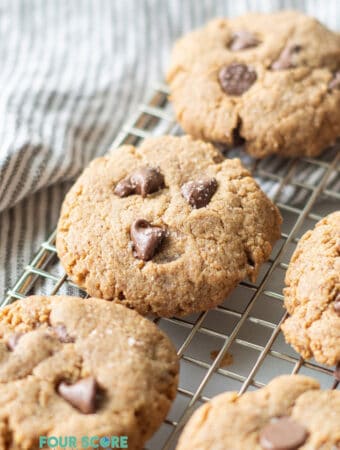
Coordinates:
[247,325]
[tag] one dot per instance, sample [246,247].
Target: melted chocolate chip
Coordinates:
[13,340]
[283,434]
[236,78]
[147,181]
[146,239]
[81,395]
[198,193]
[143,181]
[335,81]
[63,336]
[336,304]
[124,188]
[286,58]
[242,40]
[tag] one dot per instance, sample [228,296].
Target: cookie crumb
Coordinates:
[227,359]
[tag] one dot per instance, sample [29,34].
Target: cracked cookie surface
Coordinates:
[64,340]
[289,413]
[197,237]
[272,79]
[313,292]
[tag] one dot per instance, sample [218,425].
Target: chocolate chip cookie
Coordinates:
[312,295]
[290,413]
[272,80]
[75,367]
[167,228]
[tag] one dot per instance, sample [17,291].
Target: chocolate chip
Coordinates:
[146,239]
[124,188]
[81,395]
[147,180]
[283,434]
[335,81]
[63,336]
[143,181]
[336,304]
[13,340]
[242,40]
[198,193]
[236,78]
[286,58]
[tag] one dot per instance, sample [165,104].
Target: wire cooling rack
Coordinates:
[238,345]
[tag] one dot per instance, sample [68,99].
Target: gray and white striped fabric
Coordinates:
[71,72]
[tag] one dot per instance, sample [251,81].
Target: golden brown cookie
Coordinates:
[271,79]
[312,295]
[169,227]
[290,413]
[75,367]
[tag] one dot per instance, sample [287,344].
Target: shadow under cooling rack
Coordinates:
[238,345]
